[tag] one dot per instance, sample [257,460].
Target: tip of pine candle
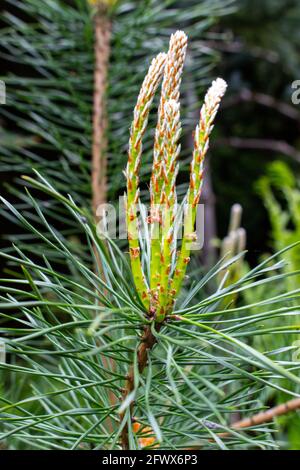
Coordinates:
[179,32]
[219,85]
[236,208]
[179,36]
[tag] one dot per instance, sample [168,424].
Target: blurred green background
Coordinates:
[254,159]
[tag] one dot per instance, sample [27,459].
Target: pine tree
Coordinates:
[176,380]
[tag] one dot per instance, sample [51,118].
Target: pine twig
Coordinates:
[249,96]
[278,146]
[99,146]
[268,415]
[102,35]
[260,418]
[148,340]
[263,416]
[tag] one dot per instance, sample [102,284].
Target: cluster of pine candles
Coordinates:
[167,265]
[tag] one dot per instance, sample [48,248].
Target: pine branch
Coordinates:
[263,99]
[262,417]
[147,342]
[163,193]
[266,416]
[194,375]
[102,25]
[278,146]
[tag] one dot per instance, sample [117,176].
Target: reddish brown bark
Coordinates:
[268,415]
[147,342]
[99,146]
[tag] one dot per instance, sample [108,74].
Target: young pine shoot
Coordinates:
[167,267]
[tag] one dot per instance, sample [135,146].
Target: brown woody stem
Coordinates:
[268,415]
[264,416]
[99,162]
[102,34]
[148,340]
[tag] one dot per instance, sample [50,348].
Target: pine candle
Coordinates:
[167,272]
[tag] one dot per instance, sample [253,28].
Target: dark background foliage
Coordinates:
[260,60]
[257,48]
[48,63]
